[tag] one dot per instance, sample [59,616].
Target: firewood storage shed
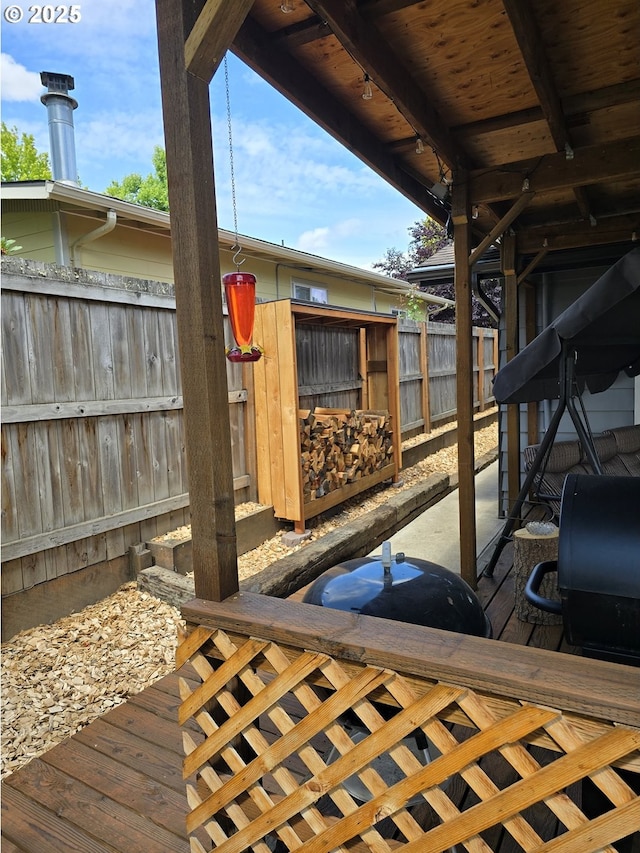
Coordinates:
[518,176]
[364,436]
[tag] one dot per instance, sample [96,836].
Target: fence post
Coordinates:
[424,369]
[481,404]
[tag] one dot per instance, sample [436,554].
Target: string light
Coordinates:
[419,145]
[287,6]
[367,93]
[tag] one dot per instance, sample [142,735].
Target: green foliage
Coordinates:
[427,236]
[150,191]
[8,246]
[414,305]
[21,160]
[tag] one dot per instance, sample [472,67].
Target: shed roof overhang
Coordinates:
[529,113]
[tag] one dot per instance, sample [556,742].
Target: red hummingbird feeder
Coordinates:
[240,292]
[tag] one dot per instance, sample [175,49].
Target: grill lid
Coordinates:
[404,589]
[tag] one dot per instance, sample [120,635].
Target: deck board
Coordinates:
[116,786]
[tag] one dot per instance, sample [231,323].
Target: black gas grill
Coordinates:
[598,567]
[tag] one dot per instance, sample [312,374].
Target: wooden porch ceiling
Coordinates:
[542,96]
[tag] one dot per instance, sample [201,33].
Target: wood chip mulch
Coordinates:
[58,678]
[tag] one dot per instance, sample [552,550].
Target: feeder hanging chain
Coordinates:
[236,245]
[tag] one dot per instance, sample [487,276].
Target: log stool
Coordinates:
[531,545]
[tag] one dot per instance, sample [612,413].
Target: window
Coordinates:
[310,293]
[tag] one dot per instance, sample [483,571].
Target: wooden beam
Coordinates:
[500,227]
[527,33]
[388,71]
[256,48]
[461,212]
[196,261]
[576,109]
[212,33]
[571,235]
[593,164]
[301,33]
[533,263]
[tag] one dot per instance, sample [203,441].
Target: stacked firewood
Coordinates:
[340,446]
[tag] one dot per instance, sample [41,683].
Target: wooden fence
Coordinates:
[93,458]
[428,373]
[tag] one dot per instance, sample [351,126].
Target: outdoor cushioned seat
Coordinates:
[627,440]
[563,458]
[618,450]
[607,450]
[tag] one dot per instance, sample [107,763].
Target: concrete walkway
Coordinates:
[434,535]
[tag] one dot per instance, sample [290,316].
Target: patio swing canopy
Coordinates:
[602,327]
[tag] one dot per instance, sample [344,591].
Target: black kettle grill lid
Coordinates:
[406,589]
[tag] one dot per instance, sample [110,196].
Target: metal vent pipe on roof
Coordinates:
[60,106]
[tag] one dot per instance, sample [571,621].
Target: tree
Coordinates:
[150,191]
[21,160]
[428,237]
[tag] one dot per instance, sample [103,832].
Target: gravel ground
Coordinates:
[58,678]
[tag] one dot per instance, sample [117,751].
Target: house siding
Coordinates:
[33,232]
[133,252]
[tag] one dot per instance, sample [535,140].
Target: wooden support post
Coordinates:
[464,378]
[196,262]
[511,341]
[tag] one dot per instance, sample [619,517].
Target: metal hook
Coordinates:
[238,249]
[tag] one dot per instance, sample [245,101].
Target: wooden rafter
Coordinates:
[389,72]
[525,28]
[255,47]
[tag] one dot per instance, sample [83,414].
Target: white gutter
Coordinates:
[106,228]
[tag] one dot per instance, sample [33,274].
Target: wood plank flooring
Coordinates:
[116,786]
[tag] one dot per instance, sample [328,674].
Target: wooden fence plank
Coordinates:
[41,355]
[102,352]
[63,354]
[84,379]
[121,358]
[15,349]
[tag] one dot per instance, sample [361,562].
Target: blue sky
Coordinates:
[294,183]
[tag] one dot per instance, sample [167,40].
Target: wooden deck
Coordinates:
[117,784]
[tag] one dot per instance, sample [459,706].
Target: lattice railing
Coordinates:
[283,752]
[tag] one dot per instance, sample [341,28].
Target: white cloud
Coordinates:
[18,84]
[314,241]
[327,236]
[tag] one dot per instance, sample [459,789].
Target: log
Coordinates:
[529,549]
[341,446]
